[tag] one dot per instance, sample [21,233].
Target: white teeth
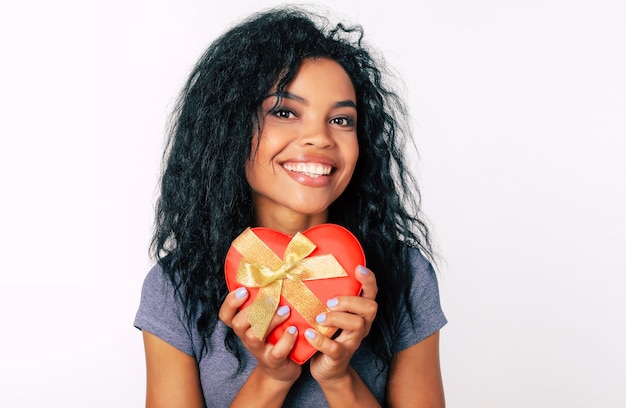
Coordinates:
[312,170]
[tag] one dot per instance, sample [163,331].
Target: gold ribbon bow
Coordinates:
[261,268]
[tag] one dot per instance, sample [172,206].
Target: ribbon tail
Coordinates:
[305,302]
[263,308]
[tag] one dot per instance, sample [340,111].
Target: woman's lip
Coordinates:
[302,178]
[311,159]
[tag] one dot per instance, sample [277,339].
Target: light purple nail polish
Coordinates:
[283,310]
[309,333]
[241,292]
[292,329]
[362,270]
[332,302]
[320,317]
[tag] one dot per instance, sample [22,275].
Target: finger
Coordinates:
[322,343]
[281,314]
[285,344]
[234,300]
[342,320]
[240,323]
[368,280]
[357,305]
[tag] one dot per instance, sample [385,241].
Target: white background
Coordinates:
[520,119]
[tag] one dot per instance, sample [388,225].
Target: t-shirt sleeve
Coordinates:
[428,317]
[161,314]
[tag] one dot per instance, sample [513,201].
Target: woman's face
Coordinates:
[307,150]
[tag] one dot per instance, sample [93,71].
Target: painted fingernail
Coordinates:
[332,302]
[241,292]
[310,333]
[320,317]
[283,310]
[292,329]
[362,270]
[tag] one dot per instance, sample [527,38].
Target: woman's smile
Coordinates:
[312,170]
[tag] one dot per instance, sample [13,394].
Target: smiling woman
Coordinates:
[284,124]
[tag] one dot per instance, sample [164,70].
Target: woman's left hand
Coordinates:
[354,316]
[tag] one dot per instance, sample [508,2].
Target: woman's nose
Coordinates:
[318,134]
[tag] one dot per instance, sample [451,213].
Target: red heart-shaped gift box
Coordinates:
[328,239]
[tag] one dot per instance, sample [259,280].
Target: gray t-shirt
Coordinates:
[161,314]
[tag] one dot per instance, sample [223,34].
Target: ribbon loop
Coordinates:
[261,268]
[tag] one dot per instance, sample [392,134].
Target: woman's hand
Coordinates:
[273,360]
[354,316]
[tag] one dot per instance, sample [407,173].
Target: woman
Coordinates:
[287,125]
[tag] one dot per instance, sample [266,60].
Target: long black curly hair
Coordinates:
[206,202]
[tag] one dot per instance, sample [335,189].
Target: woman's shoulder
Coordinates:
[161,313]
[160,276]
[156,281]
[420,264]
[160,293]
[155,274]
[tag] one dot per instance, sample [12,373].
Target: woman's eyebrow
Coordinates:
[347,103]
[292,96]
[288,95]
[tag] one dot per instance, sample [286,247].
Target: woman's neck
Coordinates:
[289,222]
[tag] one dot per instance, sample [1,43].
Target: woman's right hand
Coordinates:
[273,360]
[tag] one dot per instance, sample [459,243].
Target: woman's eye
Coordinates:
[343,121]
[283,113]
